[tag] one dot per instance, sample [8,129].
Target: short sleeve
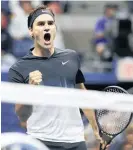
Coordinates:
[80,77]
[15,76]
[99,27]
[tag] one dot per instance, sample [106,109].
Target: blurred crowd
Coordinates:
[123,141]
[113,34]
[112,31]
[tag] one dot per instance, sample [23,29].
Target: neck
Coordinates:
[43,52]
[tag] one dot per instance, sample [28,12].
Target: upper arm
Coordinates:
[79,77]
[22,111]
[16,77]
[81,86]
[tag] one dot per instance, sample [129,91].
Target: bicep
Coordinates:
[18,107]
[22,111]
[81,86]
[15,77]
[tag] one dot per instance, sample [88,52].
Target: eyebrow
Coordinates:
[46,21]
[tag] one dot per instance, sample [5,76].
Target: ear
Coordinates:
[31,32]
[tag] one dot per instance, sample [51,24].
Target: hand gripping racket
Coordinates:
[112,123]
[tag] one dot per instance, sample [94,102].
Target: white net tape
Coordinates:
[44,95]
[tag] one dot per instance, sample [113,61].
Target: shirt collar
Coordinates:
[31,54]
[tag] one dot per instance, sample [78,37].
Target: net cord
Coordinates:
[45,95]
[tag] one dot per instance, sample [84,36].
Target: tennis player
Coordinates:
[57,127]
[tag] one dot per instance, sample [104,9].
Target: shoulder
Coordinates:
[66,52]
[101,20]
[17,65]
[71,51]
[69,54]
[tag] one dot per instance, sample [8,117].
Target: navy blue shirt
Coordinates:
[62,69]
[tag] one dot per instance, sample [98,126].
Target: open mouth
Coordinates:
[47,37]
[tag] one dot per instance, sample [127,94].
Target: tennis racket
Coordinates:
[112,123]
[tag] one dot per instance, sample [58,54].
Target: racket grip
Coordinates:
[101,147]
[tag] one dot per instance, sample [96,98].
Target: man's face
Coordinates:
[44,31]
[129,137]
[127,147]
[26,6]
[111,12]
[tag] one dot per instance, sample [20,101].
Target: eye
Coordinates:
[41,23]
[50,22]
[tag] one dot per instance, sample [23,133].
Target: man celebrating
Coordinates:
[58,128]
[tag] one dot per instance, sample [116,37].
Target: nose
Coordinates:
[46,30]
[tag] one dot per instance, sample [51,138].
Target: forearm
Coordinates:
[23,112]
[23,124]
[90,115]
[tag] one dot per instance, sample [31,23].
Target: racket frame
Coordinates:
[103,133]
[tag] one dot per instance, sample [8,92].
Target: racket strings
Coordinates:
[115,90]
[113,122]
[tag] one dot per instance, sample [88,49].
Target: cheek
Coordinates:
[36,35]
[53,30]
[37,31]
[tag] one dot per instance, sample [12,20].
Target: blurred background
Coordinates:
[101,33]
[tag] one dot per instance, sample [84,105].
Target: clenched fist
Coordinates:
[35,77]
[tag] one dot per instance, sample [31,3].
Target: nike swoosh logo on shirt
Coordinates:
[63,63]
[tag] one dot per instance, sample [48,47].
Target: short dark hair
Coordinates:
[42,7]
[110,6]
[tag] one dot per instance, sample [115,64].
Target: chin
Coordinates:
[47,46]
[44,46]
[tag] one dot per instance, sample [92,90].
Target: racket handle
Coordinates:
[101,147]
[107,139]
